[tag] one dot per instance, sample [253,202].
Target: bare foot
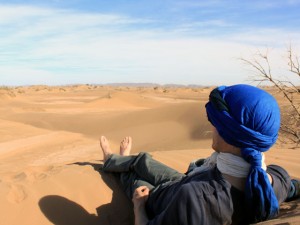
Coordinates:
[125,146]
[105,148]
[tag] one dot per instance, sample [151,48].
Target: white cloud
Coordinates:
[55,46]
[15,13]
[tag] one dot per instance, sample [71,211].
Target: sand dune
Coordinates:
[50,156]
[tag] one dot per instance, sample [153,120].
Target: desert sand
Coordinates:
[50,154]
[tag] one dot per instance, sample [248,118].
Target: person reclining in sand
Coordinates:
[232,186]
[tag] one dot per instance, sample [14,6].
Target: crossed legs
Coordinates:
[135,170]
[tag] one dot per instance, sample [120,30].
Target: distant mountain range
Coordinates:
[154,85]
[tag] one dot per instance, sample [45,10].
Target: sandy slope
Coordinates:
[50,156]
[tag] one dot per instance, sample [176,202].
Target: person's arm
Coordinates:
[139,199]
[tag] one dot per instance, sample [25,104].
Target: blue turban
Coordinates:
[249,118]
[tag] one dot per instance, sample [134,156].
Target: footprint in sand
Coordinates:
[35,176]
[28,175]
[37,173]
[16,194]
[20,177]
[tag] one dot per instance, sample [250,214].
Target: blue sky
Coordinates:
[160,41]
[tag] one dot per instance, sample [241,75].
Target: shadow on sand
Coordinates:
[62,211]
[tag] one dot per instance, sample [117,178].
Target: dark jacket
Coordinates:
[203,198]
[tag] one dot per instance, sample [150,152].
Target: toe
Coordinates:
[102,138]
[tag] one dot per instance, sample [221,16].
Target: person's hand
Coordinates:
[140,197]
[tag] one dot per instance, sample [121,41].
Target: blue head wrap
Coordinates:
[249,118]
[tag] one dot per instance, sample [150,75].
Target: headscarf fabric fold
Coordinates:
[249,118]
